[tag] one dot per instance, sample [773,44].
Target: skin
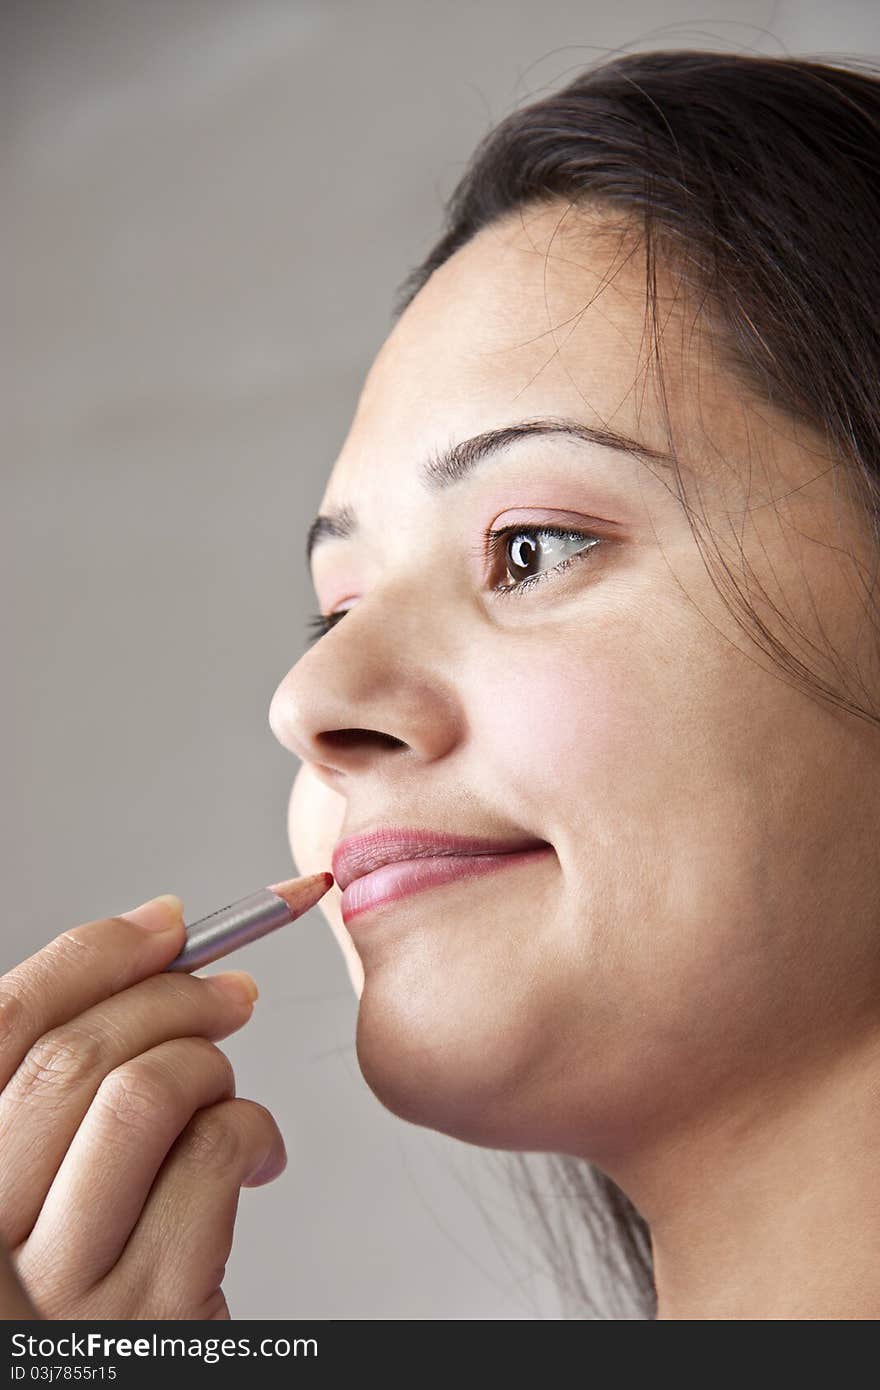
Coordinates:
[123,1143]
[685,992]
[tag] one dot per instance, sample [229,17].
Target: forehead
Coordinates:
[543,312]
[537,304]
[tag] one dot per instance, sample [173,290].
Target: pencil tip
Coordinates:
[302,893]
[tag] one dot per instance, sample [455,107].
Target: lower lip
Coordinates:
[395,881]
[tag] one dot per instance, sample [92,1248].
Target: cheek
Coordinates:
[549,727]
[569,757]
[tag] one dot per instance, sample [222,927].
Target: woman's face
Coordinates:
[704,923]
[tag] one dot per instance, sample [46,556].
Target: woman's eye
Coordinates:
[522,548]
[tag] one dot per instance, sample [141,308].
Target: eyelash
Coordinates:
[319,625]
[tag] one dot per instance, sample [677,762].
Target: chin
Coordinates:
[438,1071]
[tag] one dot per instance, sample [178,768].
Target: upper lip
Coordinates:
[360,854]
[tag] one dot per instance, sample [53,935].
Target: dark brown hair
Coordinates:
[758,179]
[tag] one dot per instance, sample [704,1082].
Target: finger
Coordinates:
[15,1303]
[78,969]
[176,1257]
[100,1189]
[47,1097]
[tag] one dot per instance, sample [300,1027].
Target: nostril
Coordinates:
[342,739]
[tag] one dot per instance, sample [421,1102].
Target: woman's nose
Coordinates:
[376,684]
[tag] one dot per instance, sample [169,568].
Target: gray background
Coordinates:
[208,206]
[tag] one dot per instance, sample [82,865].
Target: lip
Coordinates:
[385,865]
[402,878]
[358,855]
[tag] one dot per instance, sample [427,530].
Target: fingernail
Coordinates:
[272,1167]
[238,984]
[159,914]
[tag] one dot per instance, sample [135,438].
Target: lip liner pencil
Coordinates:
[248,919]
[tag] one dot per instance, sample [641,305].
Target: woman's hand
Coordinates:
[122,1149]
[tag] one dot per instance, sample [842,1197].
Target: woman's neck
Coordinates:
[772,1209]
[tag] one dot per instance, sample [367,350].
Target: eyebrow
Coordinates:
[458,461]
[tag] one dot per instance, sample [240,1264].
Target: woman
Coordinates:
[596,574]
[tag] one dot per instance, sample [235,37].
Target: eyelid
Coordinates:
[545,519]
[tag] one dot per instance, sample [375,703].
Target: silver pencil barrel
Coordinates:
[224,931]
